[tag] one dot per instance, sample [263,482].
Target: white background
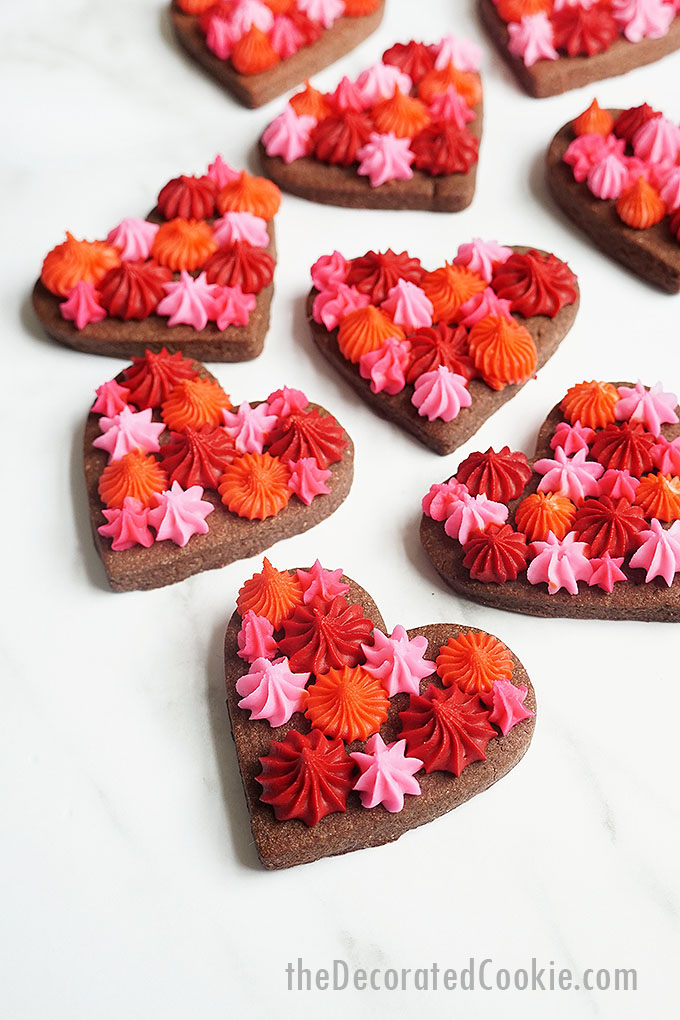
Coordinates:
[131,886]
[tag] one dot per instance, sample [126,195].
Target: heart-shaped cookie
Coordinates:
[615,174]
[589,528]
[179,481]
[553,46]
[404,135]
[438,352]
[259,49]
[194,276]
[347,737]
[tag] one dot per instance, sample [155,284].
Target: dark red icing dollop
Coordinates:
[433,346]
[495,555]
[306,776]
[442,148]
[624,447]
[337,138]
[221,9]
[151,378]
[308,434]
[608,525]
[413,58]
[241,265]
[197,456]
[535,283]
[376,272]
[322,636]
[629,122]
[447,730]
[132,290]
[582,31]
[498,476]
[193,198]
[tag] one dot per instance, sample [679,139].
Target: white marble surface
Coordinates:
[130,884]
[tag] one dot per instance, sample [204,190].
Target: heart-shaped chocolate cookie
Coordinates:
[259,49]
[347,737]
[438,352]
[404,135]
[589,528]
[615,174]
[195,276]
[179,481]
[552,48]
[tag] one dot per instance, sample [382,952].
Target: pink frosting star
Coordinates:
[399,663]
[506,702]
[653,407]
[289,135]
[256,638]
[331,306]
[320,583]
[385,158]
[560,564]
[246,13]
[587,150]
[408,305]
[128,430]
[323,11]
[532,39]
[232,307]
[479,306]
[659,552]
[618,484]
[189,301]
[329,271]
[574,477]
[241,226]
[285,37]
[221,173]
[133,237]
[666,456]
[670,190]
[285,401]
[640,19]
[387,774]
[220,38]
[249,426]
[482,257]
[572,438]
[385,367]
[347,97]
[180,514]
[606,572]
[440,501]
[473,513]
[464,54]
[127,525]
[450,105]
[111,398]
[82,305]
[307,479]
[272,691]
[608,176]
[379,81]
[440,393]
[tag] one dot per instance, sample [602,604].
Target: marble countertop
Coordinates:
[130,884]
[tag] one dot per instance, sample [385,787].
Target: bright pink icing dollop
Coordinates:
[329,271]
[587,150]
[440,501]
[464,54]
[347,97]
[399,663]
[221,173]
[272,691]
[82,305]
[249,427]
[386,366]
[308,480]
[666,456]
[408,305]
[473,513]
[111,398]
[618,484]
[657,141]
[532,39]
[659,552]
[379,82]
[506,702]
[221,36]
[387,774]
[189,301]
[285,36]
[241,226]
[385,158]
[128,430]
[180,513]
[286,400]
[606,572]
[643,19]
[133,238]
[450,105]
[323,11]
[560,564]
[479,306]
[288,135]
[248,13]
[481,257]
[652,407]
[127,525]
[572,438]
[608,176]
[232,306]
[317,582]
[440,394]
[331,306]
[574,477]
[256,638]
[670,190]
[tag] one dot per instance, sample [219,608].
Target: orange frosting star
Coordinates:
[659,496]
[466,83]
[449,287]
[74,261]
[591,403]
[279,6]
[543,512]
[347,703]
[193,403]
[255,486]
[195,6]
[365,330]
[403,115]
[247,193]
[594,121]
[358,8]
[503,351]
[136,474]
[310,102]
[473,661]
[253,52]
[183,244]
[272,593]
[640,206]
[515,10]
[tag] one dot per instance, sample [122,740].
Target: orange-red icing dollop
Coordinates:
[195,6]
[247,193]
[183,244]
[272,593]
[255,486]
[466,83]
[640,206]
[348,703]
[594,121]
[659,496]
[515,10]
[449,287]
[193,403]
[74,261]
[403,115]
[473,661]
[543,512]
[503,351]
[365,330]
[253,52]
[311,103]
[136,474]
[592,403]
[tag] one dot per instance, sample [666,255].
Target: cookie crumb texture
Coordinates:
[347,736]
[589,528]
